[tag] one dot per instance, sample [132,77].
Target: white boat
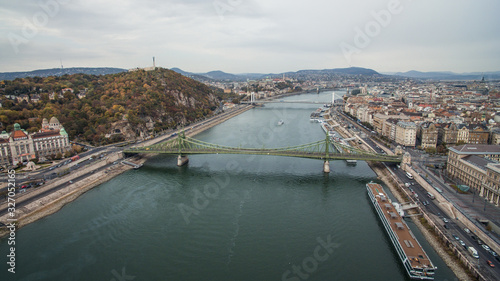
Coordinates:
[351,161]
[280,122]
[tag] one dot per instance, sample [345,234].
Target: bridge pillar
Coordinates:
[182,160]
[326,167]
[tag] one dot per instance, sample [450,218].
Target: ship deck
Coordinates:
[409,244]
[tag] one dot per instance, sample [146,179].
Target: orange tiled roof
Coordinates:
[18,134]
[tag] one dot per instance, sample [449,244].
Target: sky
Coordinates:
[251,36]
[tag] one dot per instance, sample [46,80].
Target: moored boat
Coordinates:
[413,257]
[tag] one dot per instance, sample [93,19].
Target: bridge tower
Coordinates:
[326,164]
[181,159]
[252,98]
[333,99]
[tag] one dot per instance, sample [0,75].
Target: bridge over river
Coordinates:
[320,150]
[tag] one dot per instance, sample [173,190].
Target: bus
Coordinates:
[408,175]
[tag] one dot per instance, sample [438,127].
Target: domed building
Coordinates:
[45,124]
[21,147]
[54,124]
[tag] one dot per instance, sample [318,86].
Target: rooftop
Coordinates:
[478,149]
[46,134]
[478,161]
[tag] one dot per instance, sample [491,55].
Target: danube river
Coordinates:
[222,217]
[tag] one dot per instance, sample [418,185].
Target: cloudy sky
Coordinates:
[242,36]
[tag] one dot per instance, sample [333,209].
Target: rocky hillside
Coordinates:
[107,108]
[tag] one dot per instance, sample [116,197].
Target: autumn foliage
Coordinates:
[147,101]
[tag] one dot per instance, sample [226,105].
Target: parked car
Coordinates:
[485,247]
[445,220]
[456,237]
[490,263]
[466,230]
[462,243]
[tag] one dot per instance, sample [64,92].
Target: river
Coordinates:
[222,217]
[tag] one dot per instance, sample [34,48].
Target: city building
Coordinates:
[21,147]
[428,134]
[462,133]
[478,134]
[476,166]
[495,136]
[406,133]
[448,133]
[492,184]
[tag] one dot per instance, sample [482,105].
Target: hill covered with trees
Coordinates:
[107,108]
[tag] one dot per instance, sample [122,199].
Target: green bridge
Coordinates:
[321,150]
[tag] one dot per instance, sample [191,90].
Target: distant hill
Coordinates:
[447,75]
[301,74]
[60,72]
[340,71]
[220,75]
[108,108]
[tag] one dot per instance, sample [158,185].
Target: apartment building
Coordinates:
[428,135]
[406,133]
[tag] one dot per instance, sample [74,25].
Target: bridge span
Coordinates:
[320,150]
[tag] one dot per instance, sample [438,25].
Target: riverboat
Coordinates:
[413,257]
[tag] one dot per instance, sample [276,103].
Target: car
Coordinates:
[456,237]
[485,247]
[466,230]
[490,263]
[24,186]
[445,226]
[462,243]
[493,253]
[474,237]
[445,220]
[480,242]
[70,182]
